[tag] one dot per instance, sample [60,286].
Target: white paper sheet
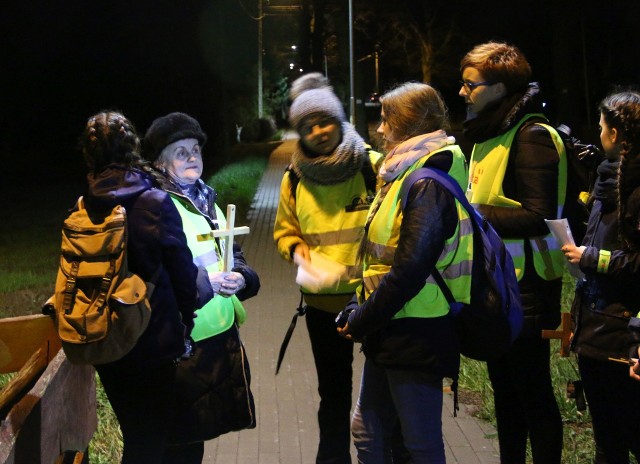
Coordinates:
[320,273]
[562,233]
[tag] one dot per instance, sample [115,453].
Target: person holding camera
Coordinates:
[608,294]
[401,316]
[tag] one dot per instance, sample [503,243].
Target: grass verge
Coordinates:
[578,445]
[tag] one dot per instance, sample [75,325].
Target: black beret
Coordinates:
[168,129]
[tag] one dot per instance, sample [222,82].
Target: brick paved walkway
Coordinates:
[286,405]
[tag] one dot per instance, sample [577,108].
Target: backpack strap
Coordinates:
[450,184]
[368,173]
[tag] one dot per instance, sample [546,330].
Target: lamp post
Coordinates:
[352,86]
[260,18]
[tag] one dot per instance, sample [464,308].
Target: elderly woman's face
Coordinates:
[182,161]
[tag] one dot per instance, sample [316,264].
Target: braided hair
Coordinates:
[108,138]
[622,111]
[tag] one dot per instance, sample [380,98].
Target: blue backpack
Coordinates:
[490,323]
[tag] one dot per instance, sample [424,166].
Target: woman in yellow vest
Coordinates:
[517,179]
[401,315]
[214,382]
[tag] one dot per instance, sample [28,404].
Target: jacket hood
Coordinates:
[116,185]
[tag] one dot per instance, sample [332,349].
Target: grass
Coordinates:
[30,248]
[237,183]
[578,436]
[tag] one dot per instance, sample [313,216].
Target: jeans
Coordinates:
[525,403]
[611,393]
[333,357]
[388,396]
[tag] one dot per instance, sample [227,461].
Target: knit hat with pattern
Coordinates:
[313,100]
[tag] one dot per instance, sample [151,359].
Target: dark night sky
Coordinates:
[64,60]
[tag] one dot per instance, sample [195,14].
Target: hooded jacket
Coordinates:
[606,301]
[155,240]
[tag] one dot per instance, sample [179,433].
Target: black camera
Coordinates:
[343,317]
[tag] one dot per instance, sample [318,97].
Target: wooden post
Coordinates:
[49,406]
[228,234]
[564,334]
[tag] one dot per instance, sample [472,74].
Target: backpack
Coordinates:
[490,323]
[582,164]
[99,308]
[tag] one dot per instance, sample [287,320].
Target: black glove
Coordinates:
[203,285]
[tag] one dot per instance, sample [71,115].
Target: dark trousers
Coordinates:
[184,454]
[525,403]
[144,403]
[611,395]
[333,356]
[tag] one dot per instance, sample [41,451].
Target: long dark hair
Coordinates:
[108,138]
[621,111]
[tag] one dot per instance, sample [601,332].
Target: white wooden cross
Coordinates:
[228,234]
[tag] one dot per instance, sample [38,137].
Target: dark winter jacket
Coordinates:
[206,205]
[605,302]
[531,174]
[214,385]
[155,240]
[430,343]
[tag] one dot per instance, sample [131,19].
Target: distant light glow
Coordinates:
[294,47]
[544,104]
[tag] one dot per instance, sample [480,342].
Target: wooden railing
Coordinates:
[48,408]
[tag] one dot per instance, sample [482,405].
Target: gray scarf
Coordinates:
[345,161]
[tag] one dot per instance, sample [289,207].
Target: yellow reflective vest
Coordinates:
[330,219]
[454,263]
[488,166]
[220,312]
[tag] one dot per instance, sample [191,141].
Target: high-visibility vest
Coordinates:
[332,219]
[454,263]
[489,161]
[220,312]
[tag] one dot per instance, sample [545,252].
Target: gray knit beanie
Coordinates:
[309,100]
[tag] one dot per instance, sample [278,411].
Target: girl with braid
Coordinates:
[608,295]
[141,385]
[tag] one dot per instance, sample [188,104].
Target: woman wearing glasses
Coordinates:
[517,179]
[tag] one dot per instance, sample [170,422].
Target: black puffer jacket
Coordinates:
[605,302]
[429,218]
[155,240]
[531,174]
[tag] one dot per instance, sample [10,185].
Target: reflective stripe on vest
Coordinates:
[332,218]
[455,260]
[220,312]
[489,161]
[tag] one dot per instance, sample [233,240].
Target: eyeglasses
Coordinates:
[471,86]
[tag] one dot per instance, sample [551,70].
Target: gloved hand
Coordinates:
[226,283]
[205,292]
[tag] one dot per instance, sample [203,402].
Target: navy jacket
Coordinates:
[155,240]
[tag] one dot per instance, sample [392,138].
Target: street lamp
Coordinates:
[352,86]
